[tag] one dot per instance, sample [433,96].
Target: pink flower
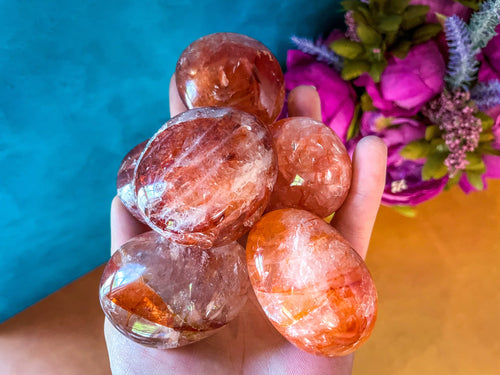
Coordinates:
[404,184]
[338,98]
[490,59]
[492,162]
[406,85]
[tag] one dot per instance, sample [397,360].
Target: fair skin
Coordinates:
[249,344]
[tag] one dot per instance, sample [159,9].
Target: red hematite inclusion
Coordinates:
[124,180]
[314,288]
[206,176]
[166,295]
[314,168]
[231,70]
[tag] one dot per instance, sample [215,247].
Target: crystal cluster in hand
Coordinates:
[203,181]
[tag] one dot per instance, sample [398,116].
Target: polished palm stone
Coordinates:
[206,176]
[231,70]
[314,288]
[124,180]
[314,168]
[162,294]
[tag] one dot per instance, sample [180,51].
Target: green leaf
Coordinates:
[426,32]
[390,23]
[351,4]
[475,179]
[476,163]
[407,211]
[432,132]
[486,148]
[401,49]
[414,11]
[390,39]
[354,125]
[354,68]
[485,137]
[397,6]
[416,150]
[366,103]
[452,181]
[368,35]
[434,166]
[347,48]
[486,121]
[435,142]
[412,19]
[377,69]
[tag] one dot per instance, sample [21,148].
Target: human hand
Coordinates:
[250,344]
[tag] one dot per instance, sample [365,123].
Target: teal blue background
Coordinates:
[82,82]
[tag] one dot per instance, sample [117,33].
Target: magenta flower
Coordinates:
[338,98]
[406,85]
[490,59]
[404,184]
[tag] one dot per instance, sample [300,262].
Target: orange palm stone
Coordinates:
[206,176]
[314,288]
[314,168]
[231,70]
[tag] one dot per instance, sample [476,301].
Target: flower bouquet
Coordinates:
[424,76]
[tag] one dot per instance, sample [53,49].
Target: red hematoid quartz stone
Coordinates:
[162,294]
[314,288]
[231,70]
[314,168]
[206,176]
[125,178]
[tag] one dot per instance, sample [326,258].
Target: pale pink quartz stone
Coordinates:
[162,294]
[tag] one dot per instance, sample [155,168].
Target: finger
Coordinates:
[357,215]
[176,104]
[123,225]
[304,101]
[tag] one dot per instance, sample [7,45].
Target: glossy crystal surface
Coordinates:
[314,167]
[231,70]
[125,178]
[206,176]
[314,288]
[162,294]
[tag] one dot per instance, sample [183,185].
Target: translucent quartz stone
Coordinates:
[124,179]
[206,176]
[231,70]
[314,288]
[162,294]
[314,169]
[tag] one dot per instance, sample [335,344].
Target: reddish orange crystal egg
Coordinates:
[314,288]
[231,70]
[314,168]
[206,176]
[162,294]
[125,178]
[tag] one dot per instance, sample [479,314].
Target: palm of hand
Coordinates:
[250,344]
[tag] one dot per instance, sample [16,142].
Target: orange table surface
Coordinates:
[438,278]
